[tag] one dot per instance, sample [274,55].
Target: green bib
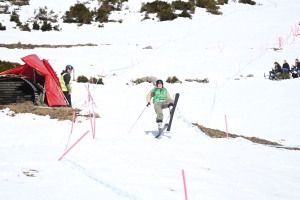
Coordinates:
[159,94]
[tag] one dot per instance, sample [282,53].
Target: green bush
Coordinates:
[222,2]
[5,65]
[2,28]
[56,28]
[78,13]
[155,6]
[181,5]
[247,2]
[46,26]
[43,14]
[82,79]
[102,14]
[96,81]
[25,27]
[15,18]
[210,5]
[35,26]
[185,14]
[166,15]
[19,2]
[173,79]
[137,81]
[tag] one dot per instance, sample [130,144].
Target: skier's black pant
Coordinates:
[68,97]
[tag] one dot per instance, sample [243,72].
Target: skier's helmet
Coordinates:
[159,82]
[69,67]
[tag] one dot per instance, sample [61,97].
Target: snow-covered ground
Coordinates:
[122,165]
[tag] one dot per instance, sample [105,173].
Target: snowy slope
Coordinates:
[123,165]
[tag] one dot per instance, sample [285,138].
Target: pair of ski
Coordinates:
[168,124]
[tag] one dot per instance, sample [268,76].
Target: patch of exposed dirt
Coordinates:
[215,133]
[60,113]
[19,45]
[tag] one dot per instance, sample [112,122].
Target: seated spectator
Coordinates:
[276,69]
[297,64]
[294,71]
[285,67]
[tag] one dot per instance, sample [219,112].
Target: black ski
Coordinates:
[162,130]
[173,111]
[168,125]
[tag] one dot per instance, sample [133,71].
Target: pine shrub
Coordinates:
[15,18]
[5,65]
[35,26]
[25,27]
[185,14]
[78,13]
[181,5]
[46,26]
[173,79]
[2,28]
[96,81]
[210,5]
[166,15]
[137,81]
[247,2]
[82,79]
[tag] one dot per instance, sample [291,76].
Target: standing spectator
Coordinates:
[297,64]
[276,69]
[66,83]
[285,67]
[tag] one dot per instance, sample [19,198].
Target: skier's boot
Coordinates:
[159,124]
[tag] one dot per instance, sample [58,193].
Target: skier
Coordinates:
[66,83]
[161,100]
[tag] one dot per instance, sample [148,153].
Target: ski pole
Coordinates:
[137,119]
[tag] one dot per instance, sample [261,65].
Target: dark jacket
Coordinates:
[286,65]
[278,68]
[298,65]
[67,77]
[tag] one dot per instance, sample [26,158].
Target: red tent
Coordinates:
[40,71]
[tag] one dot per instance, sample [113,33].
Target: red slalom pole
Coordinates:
[72,146]
[94,126]
[184,184]
[72,122]
[226,127]
[90,96]
[91,124]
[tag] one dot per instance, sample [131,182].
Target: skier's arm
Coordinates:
[168,96]
[67,79]
[149,96]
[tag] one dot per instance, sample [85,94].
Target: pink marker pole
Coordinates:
[91,124]
[90,96]
[170,38]
[94,126]
[251,56]
[184,185]
[267,46]
[72,146]
[73,119]
[226,127]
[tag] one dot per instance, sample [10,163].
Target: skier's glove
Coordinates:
[148,104]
